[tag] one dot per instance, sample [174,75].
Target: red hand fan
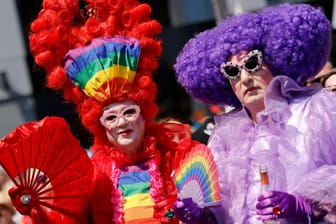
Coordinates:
[196,177]
[50,170]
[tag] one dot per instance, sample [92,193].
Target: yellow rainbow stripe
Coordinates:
[138,199]
[106,75]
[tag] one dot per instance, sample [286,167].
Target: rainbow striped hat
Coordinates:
[104,68]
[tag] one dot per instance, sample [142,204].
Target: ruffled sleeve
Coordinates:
[319,127]
[294,135]
[319,185]
[312,121]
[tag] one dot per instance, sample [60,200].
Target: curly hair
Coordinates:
[63,25]
[295,40]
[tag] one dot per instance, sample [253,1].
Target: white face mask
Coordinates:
[124,125]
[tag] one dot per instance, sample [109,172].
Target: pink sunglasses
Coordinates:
[110,117]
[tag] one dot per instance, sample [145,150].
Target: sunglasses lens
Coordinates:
[252,63]
[131,114]
[231,71]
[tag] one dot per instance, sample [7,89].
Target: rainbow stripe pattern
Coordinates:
[138,205]
[105,67]
[198,172]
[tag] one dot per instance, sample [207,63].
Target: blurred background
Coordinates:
[23,96]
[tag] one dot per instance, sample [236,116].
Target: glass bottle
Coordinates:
[265,186]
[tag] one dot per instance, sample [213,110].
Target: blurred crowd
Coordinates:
[326,77]
[7,211]
[8,214]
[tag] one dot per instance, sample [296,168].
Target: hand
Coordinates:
[291,207]
[188,211]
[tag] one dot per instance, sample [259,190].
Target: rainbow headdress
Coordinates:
[104,68]
[197,177]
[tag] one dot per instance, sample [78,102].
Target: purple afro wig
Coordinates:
[294,38]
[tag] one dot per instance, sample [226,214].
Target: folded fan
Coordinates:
[197,177]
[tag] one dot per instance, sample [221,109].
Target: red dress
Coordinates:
[161,153]
[55,181]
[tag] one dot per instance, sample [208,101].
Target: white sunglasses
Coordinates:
[251,63]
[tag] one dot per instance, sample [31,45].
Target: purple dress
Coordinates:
[295,136]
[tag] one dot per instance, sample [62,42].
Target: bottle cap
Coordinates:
[263,168]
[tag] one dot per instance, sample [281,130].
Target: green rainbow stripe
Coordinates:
[138,201]
[93,67]
[135,188]
[104,76]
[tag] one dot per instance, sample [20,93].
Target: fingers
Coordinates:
[265,211]
[190,205]
[268,203]
[188,201]
[265,206]
[267,217]
[267,195]
[187,215]
[270,199]
[191,210]
[179,204]
[187,210]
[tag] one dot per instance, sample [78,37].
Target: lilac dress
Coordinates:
[295,136]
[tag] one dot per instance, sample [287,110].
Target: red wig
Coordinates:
[63,25]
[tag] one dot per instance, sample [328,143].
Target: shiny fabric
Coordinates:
[188,211]
[134,184]
[51,180]
[105,63]
[165,144]
[294,136]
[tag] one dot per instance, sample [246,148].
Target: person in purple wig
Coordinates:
[258,63]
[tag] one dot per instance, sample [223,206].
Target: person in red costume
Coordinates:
[101,55]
